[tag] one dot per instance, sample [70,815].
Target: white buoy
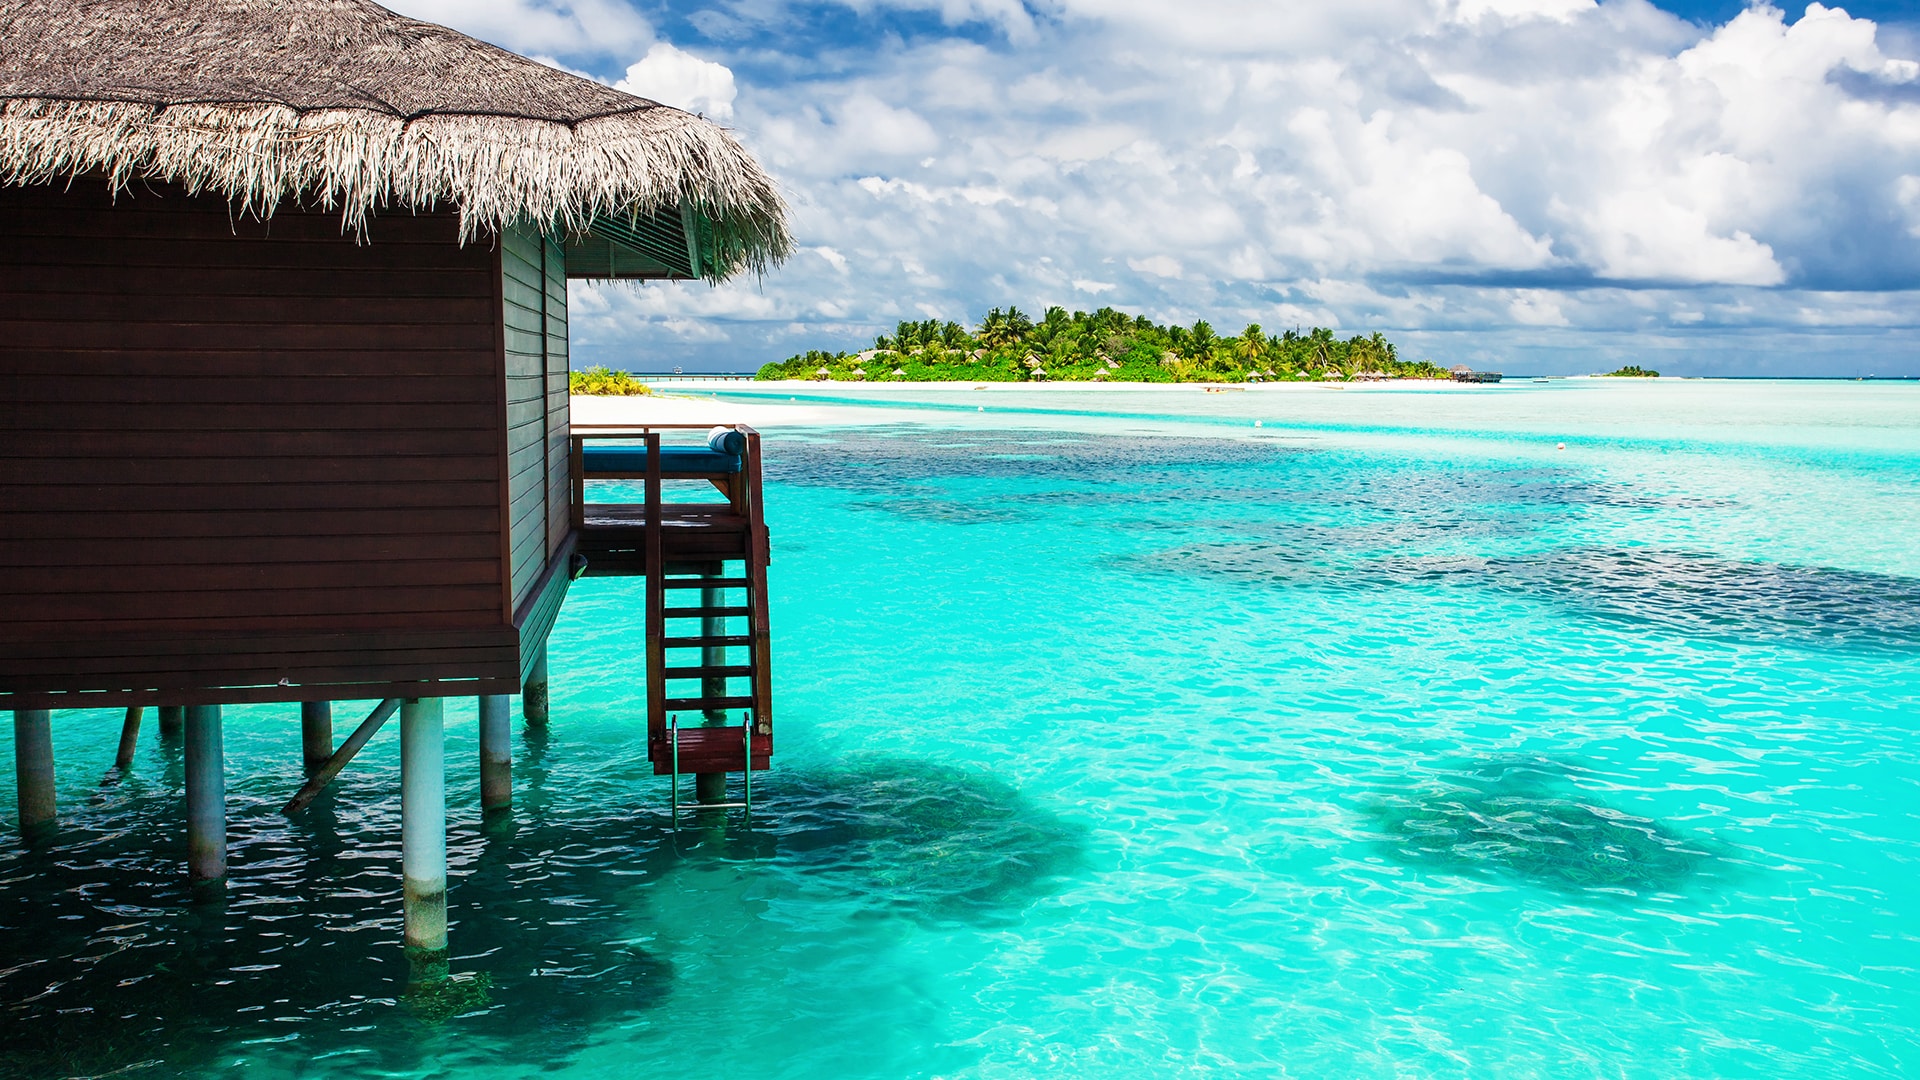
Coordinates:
[1256,423]
[1559,446]
[980,408]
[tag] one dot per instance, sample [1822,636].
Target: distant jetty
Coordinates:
[1102,346]
[1463,373]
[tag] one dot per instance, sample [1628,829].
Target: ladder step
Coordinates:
[713,671]
[705,583]
[688,703]
[707,612]
[711,639]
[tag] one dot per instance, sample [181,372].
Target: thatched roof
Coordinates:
[346,105]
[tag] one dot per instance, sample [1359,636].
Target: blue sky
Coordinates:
[1545,186]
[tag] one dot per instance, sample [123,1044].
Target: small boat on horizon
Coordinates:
[1463,373]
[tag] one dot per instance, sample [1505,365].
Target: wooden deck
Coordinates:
[613,536]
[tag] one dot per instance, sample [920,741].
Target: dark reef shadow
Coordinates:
[117,969]
[1683,592]
[111,967]
[1525,820]
[947,511]
[883,459]
[935,843]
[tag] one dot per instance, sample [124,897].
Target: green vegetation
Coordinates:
[600,381]
[1633,371]
[435,1001]
[1104,345]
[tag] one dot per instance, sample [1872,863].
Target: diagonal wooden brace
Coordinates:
[318,781]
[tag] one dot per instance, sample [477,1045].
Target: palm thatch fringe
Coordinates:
[498,170]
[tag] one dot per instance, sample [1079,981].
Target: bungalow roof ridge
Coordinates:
[345,105]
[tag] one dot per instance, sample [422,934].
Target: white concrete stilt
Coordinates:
[33,766]
[533,695]
[496,752]
[206,796]
[423,825]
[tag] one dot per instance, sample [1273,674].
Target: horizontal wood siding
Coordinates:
[559,482]
[523,288]
[263,445]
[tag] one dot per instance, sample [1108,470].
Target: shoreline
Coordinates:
[1542,413]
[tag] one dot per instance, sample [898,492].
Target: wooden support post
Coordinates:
[318,781]
[316,735]
[713,655]
[533,696]
[711,787]
[33,767]
[206,797]
[173,721]
[496,752]
[423,825]
[129,738]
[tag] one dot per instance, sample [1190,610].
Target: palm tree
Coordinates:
[1320,346]
[1201,340]
[995,330]
[1360,356]
[1250,347]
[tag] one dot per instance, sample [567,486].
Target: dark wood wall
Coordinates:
[235,453]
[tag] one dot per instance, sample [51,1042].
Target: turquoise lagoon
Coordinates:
[1553,729]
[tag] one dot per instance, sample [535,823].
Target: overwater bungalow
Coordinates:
[283,393]
[1463,373]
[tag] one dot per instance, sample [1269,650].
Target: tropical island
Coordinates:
[1632,371]
[1101,346]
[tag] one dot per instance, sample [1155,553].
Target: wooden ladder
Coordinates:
[709,684]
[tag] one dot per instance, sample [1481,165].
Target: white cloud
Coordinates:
[1157,265]
[1644,235]
[1536,307]
[1416,166]
[548,27]
[682,80]
[1908,194]
[1518,10]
